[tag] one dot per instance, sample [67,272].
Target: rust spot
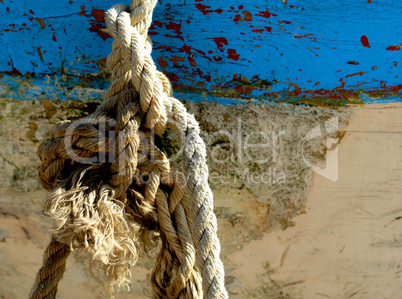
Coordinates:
[40,53]
[374,68]
[200,84]
[220,41]
[265,14]
[369,1]
[99,15]
[96,27]
[54,37]
[258,30]
[176,59]
[297,90]
[7,8]
[364,41]
[41,22]
[162,62]
[174,26]
[393,48]
[353,62]
[192,61]
[31,12]
[237,18]
[247,15]
[355,74]
[13,72]
[204,8]
[232,54]
[82,12]
[269,29]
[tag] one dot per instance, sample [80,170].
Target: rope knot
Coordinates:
[114,190]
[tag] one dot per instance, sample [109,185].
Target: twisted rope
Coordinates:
[114,190]
[48,277]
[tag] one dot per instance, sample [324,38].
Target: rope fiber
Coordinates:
[113,191]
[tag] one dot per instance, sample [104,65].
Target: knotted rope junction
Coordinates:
[113,190]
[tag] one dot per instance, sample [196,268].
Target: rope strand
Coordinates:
[48,277]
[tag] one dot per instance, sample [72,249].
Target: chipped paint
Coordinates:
[300,51]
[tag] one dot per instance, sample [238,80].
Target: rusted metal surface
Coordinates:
[328,52]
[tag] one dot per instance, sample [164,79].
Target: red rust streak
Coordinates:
[286,22]
[355,74]
[269,29]
[40,54]
[13,72]
[204,8]
[393,48]
[258,30]
[265,14]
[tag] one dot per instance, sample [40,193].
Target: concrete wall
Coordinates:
[328,52]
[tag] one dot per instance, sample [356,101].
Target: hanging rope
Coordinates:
[113,189]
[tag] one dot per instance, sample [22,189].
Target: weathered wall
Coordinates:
[257,174]
[327,52]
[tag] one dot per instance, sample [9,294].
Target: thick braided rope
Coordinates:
[136,51]
[108,225]
[48,277]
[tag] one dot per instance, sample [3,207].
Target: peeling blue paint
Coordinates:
[264,49]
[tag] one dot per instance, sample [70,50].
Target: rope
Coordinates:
[113,189]
[48,277]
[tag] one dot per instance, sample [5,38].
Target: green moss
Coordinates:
[167,143]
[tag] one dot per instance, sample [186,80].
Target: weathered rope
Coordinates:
[114,190]
[48,277]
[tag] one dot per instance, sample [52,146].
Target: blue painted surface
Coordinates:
[325,51]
